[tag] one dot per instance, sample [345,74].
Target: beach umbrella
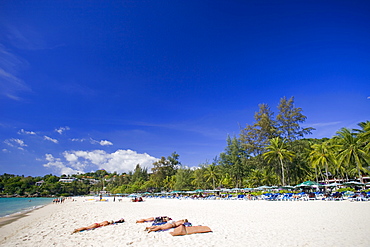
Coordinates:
[176,191]
[236,189]
[263,187]
[308,184]
[287,187]
[198,191]
[353,183]
[332,184]
[191,192]
[133,195]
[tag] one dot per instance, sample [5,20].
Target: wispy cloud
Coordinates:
[25,37]
[62,129]
[92,141]
[50,139]
[10,84]
[22,131]
[77,140]
[15,143]
[318,125]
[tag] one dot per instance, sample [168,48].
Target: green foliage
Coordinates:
[183,179]
[346,189]
[288,120]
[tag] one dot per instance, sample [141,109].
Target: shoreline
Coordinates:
[7,219]
[233,222]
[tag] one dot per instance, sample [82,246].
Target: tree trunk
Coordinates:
[282,172]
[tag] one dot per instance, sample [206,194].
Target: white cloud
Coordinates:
[58,165]
[22,131]
[77,140]
[105,143]
[6,150]
[50,139]
[92,141]
[102,142]
[62,129]
[82,161]
[15,143]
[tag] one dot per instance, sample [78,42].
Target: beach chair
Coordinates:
[240,197]
[311,196]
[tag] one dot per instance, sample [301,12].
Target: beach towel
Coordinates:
[183,230]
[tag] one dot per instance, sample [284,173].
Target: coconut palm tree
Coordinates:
[212,174]
[277,151]
[199,180]
[321,156]
[352,151]
[364,134]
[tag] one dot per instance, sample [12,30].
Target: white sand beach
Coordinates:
[234,223]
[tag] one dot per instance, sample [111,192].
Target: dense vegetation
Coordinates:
[271,151]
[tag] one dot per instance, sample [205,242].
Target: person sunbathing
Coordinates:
[97,225]
[168,225]
[159,219]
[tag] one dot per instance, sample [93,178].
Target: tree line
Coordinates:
[271,151]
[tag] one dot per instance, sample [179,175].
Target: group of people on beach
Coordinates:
[59,200]
[161,223]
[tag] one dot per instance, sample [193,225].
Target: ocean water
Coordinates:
[14,205]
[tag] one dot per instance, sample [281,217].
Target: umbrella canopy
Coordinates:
[354,183]
[133,195]
[236,189]
[308,184]
[332,185]
[198,190]
[287,187]
[211,191]
[264,187]
[247,189]
[176,191]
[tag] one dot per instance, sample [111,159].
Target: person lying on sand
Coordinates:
[97,225]
[168,225]
[159,219]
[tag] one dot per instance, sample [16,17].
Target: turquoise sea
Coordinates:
[14,205]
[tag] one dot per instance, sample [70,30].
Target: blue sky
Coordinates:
[86,85]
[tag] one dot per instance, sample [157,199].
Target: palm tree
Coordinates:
[277,151]
[322,155]
[255,177]
[352,151]
[198,178]
[364,134]
[211,173]
[268,177]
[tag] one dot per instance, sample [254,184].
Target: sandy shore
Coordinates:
[234,223]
